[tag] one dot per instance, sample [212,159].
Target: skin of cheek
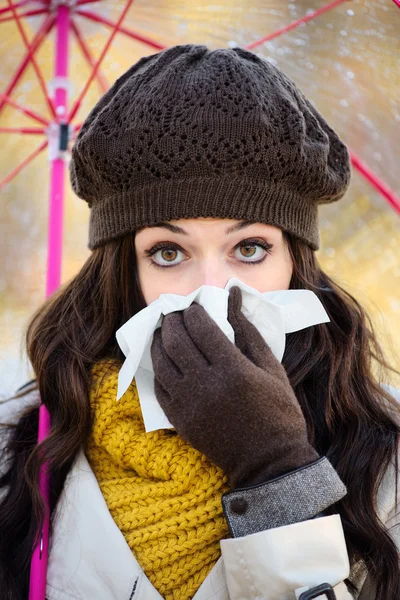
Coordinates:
[273,274]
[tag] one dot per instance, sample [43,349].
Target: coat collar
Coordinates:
[89,557]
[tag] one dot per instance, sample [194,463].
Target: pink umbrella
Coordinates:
[60,15]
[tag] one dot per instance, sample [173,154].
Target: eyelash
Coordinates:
[170,246]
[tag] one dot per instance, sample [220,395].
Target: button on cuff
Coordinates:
[239,506]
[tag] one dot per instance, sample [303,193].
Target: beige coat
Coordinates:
[90,559]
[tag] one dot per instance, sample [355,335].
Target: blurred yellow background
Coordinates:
[347,61]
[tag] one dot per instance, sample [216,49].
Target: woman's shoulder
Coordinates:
[394,391]
[388,497]
[26,396]
[11,410]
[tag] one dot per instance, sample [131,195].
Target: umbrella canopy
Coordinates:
[344,55]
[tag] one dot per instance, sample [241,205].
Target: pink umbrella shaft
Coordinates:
[37,589]
[37,584]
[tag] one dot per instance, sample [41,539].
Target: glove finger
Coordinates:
[235,318]
[247,337]
[210,340]
[165,400]
[165,369]
[179,346]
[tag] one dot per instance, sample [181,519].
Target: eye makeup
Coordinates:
[173,246]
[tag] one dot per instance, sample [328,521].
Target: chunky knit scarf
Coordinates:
[164,495]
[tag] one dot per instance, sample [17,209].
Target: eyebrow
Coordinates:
[231,229]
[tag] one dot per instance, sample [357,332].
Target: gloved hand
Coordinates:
[233,404]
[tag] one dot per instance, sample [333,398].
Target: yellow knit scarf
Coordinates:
[164,495]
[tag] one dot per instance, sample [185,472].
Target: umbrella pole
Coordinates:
[58,155]
[57,145]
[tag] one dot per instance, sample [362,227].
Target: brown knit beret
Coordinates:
[192,132]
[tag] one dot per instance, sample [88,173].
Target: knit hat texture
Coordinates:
[191,132]
[163,494]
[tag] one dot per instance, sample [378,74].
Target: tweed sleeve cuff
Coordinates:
[297,496]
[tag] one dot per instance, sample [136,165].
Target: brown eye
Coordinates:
[252,252]
[165,256]
[248,251]
[169,254]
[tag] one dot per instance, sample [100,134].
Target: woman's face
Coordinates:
[181,255]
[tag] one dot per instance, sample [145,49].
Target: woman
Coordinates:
[278,480]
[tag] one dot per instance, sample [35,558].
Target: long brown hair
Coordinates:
[329,366]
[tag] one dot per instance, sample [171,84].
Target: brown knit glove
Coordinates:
[234,405]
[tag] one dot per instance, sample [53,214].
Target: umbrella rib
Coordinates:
[30,13]
[87,54]
[80,2]
[23,164]
[33,61]
[99,61]
[377,183]
[304,19]
[104,21]
[24,130]
[18,5]
[26,111]
[44,29]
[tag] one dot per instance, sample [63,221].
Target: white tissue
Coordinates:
[274,314]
